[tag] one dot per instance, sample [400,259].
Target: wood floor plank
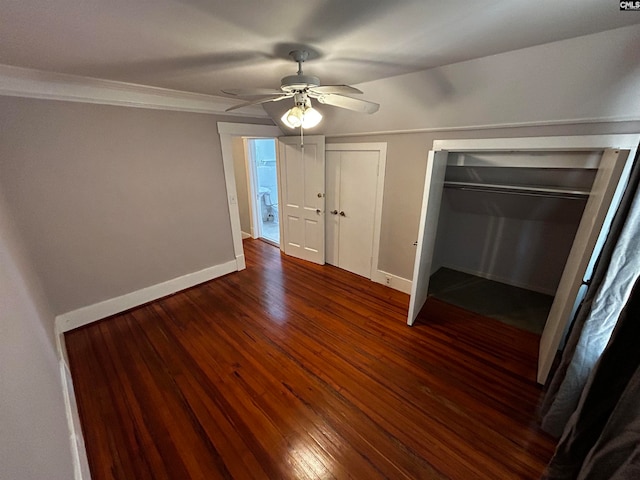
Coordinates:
[294,370]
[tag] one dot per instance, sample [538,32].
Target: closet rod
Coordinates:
[519,190]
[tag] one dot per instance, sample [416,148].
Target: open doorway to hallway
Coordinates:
[261,159]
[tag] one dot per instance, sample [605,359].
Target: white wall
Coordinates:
[524,252]
[34,439]
[111,200]
[594,77]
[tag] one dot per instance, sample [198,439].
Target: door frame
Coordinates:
[227,131]
[255,214]
[575,267]
[252,182]
[380,147]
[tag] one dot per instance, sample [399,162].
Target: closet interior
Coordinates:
[511,227]
[506,225]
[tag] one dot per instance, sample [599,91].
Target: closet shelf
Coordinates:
[554,192]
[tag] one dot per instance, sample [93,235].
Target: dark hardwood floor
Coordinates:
[289,370]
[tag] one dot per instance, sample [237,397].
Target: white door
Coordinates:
[433,185]
[595,212]
[301,197]
[352,183]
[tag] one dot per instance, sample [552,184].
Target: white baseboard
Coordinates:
[91,313]
[241,264]
[498,278]
[245,235]
[76,439]
[393,281]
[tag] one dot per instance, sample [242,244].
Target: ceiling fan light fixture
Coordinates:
[293,117]
[311,118]
[300,116]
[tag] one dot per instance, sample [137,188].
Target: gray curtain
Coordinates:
[602,438]
[615,273]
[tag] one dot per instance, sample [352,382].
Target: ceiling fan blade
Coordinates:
[273,98]
[340,89]
[355,104]
[252,92]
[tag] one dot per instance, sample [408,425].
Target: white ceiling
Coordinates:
[206,45]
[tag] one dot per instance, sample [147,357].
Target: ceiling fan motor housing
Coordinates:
[298,83]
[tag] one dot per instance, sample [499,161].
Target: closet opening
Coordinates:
[504,235]
[529,213]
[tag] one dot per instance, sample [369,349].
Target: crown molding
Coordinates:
[31,83]
[489,126]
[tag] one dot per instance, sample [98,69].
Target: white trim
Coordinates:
[397,283]
[523,159]
[381,148]
[356,146]
[30,83]
[280,202]
[76,439]
[488,126]
[559,143]
[598,212]
[245,235]
[241,264]
[91,313]
[252,187]
[248,130]
[227,131]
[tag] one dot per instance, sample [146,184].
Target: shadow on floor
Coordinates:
[515,306]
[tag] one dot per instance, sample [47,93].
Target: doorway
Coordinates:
[228,132]
[233,137]
[263,182]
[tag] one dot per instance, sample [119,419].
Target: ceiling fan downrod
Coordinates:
[299,56]
[299,82]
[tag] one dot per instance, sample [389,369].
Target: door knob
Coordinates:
[342,214]
[318,211]
[333,212]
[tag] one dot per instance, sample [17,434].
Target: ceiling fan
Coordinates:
[302,88]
